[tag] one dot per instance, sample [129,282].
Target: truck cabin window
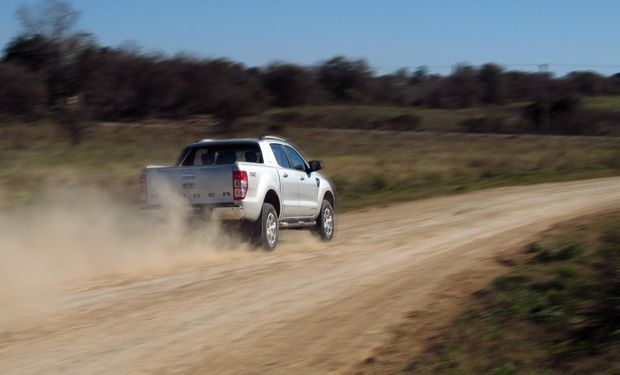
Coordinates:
[296,160]
[220,154]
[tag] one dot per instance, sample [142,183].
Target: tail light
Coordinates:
[240,184]
[143,187]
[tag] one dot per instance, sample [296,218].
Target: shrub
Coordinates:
[510,282]
[558,253]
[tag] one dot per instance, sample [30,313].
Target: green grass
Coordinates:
[366,168]
[508,116]
[558,313]
[609,103]
[347,116]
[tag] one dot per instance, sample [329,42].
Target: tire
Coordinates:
[325,223]
[267,228]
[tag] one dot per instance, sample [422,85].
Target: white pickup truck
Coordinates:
[265,183]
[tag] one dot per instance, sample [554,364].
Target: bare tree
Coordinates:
[56,22]
[54,19]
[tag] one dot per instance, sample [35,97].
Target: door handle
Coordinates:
[302,178]
[188,176]
[285,175]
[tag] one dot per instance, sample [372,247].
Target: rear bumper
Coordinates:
[225,213]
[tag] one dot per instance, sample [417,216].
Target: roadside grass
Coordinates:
[370,169]
[366,168]
[557,313]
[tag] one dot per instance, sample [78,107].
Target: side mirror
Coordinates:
[315,165]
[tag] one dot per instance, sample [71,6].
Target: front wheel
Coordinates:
[325,224]
[267,229]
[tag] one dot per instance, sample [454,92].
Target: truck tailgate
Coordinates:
[199,185]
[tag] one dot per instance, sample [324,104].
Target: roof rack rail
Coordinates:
[204,140]
[273,137]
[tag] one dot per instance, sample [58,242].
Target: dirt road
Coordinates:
[308,307]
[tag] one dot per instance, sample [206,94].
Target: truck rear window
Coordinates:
[219,154]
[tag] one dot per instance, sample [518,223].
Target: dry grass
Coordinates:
[367,168]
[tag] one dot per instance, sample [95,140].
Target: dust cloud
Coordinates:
[83,234]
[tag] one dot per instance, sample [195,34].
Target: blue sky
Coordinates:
[388,33]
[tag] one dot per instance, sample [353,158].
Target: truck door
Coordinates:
[289,183]
[308,186]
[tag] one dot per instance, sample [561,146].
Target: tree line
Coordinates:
[50,65]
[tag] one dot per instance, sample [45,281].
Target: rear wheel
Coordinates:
[325,224]
[267,228]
